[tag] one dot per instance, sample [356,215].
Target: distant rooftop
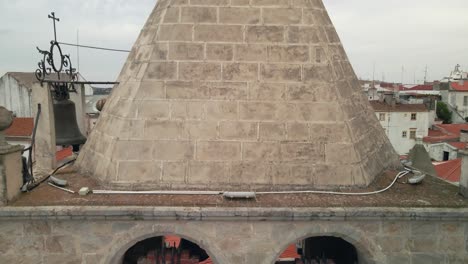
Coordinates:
[449,170]
[384,107]
[445,133]
[459,87]
[21,127]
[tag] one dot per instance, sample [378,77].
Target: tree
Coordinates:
[444,113]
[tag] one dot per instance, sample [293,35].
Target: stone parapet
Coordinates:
[40,239]
[233,214]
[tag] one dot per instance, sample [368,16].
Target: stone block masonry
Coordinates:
[229,89]
[231,235]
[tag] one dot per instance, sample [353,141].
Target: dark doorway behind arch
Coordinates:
[320,250]
[166,250]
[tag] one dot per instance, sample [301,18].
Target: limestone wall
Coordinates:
[230,242]
[237,95]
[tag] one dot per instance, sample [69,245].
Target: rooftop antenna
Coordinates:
[78,48]
[402,73]
[425,75]
[373,75]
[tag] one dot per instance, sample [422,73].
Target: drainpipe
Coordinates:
[464,173]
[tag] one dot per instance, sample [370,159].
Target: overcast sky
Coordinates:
[388,34]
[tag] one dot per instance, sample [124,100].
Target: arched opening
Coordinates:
[168,249]
[319,250]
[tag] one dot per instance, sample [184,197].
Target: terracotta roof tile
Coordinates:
[449,170]
[421,87]
[290,252]
[384,107]
[63,154]
[458,145]
[173,240]
[445,133]
[207,261]
[460,87]
[21,127]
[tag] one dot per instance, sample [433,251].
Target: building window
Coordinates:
[404,134]
[413,116]
[465,100]
[412,133]
[382,117]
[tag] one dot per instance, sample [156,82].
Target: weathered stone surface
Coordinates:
[173,150]
[186,51]
[251,52]
[282,16]
[198,15]
[232,235]
[269,151]
[218,150]
[221,52]
[237,94]
[272,131]
[219,33]
[239,15]
[238,130]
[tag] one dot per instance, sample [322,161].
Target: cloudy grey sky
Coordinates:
[387,34]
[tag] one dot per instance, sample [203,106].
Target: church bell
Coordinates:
[67,132]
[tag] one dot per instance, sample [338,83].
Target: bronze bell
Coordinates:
[67,131]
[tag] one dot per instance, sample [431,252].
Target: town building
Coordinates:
[402,123]
[455,95]
[445,141]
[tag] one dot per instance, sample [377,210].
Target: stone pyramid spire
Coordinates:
[237,94]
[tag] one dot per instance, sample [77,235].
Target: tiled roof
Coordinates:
[173,240]
[384,107]
[445,133]
[63,154]
[458,145]
[21,127]
[290,252]
[461,87]
[207,261]
[449,170]
[421,87]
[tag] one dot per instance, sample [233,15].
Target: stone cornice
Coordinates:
[232,214]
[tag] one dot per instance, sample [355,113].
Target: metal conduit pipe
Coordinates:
[252,195]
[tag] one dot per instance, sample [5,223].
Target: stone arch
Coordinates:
[117,251]
[368,252]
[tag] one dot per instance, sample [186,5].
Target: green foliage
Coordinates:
[444,113]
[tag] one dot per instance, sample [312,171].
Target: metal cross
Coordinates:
[52,16]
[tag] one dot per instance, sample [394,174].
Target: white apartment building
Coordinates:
[456,96]
[402,123]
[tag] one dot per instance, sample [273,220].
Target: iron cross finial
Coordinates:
[52,16]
